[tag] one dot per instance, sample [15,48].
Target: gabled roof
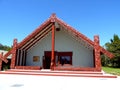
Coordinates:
[44,29]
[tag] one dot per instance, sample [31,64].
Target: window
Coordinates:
[64,58]
[36,58]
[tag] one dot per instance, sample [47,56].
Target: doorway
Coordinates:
[47,60]
[61,58]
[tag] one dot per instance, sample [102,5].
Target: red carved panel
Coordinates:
[14,49]
[53,17]
[110,55]
[97,53]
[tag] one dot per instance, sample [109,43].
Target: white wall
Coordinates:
[38,50]
[63,42]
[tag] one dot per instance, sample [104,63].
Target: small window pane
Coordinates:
[64,60]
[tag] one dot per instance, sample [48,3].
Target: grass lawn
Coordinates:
[114,71]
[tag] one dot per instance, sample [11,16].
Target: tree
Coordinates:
[114,47]
[4,47]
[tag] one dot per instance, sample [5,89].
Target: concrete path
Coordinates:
[32,82]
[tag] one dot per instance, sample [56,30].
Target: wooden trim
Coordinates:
[35,39]
[38,39]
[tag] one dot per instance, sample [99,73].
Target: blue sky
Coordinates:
[18,18]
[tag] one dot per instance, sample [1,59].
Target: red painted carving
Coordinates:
[12,66]
[53,17]
[97,53]
[110,55]
[53,46]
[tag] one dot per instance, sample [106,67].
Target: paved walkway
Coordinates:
[33,82]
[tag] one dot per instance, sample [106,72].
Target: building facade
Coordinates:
[57,46]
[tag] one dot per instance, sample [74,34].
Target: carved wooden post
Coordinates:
[53,17]
[53,47]
[1,56]
[12,66]
[97,53]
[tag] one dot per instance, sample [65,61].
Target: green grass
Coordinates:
[114,71]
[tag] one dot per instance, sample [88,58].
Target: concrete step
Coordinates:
[59,73]
[51,71]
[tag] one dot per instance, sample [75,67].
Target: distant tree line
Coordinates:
[114,47]
[4,47]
